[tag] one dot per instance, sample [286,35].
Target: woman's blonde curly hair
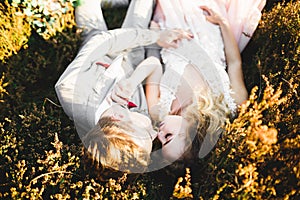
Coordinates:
[207,114]
[110,146]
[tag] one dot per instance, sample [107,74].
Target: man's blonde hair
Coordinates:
[109,145]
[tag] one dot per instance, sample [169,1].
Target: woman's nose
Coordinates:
[161,136]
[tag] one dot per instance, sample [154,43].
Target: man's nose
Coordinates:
[161,125]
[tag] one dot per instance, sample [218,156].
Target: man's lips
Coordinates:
[161,124]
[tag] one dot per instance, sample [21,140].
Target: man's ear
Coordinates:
[115,118]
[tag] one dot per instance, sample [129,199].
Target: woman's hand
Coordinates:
[232,53]
[213,16]
[123,91]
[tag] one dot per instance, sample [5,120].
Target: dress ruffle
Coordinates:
[171,79]
[242,15]
[190,52]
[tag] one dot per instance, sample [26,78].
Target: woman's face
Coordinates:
[143,133]
[172,135]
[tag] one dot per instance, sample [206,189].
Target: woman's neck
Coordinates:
[192,83]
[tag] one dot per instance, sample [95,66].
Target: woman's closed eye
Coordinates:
[168,137]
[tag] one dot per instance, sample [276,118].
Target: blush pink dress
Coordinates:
[242,15]
[206,51]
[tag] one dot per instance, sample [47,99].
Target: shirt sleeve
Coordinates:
[99,45]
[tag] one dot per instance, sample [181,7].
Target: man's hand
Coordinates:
[123,91]
[170,38]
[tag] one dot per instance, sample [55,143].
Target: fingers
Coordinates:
[176,36]
[206,9]
[122,92]
[186,35]
[170,38]
[118,99]
[208,13]
[212,16]
[119,95]
[182,34]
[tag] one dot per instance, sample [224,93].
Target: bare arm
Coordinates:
[234,63]
[80,70]
[233,57]
[151,71]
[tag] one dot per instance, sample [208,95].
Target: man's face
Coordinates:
[142,134]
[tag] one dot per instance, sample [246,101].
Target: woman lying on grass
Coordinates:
[203,80]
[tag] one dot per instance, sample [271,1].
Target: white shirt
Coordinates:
[84,85]
[116,72]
